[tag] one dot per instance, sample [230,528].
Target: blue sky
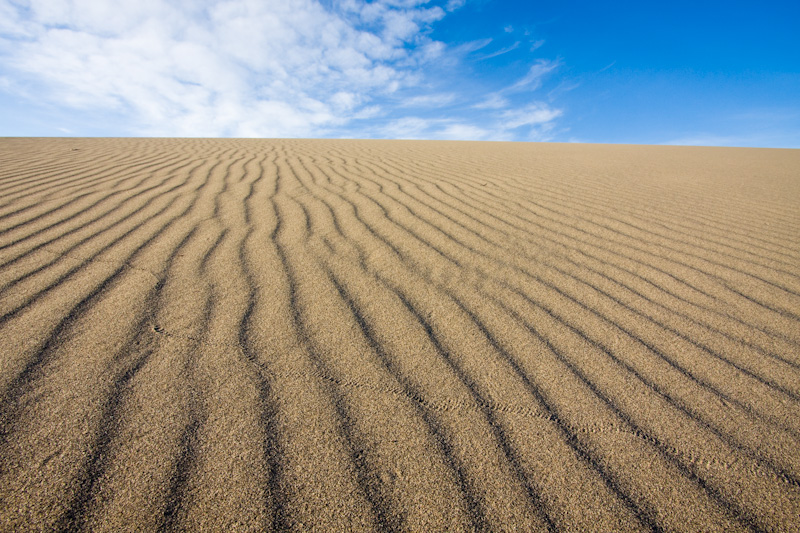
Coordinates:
[702,73]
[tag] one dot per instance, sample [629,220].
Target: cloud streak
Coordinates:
[500,52]
[535,76]
[239,67]
[253,68]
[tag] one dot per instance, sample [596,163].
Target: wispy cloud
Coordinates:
[500,52]
[241,67]
[534,121]
[452,5]
[535,114]
[530,113]
[473,46]
[756,127]
[536,74]
[409,128]
[464,132]
[428,100]
[435,128]
[607,66]
[493,101]
[249,68]
[757,139]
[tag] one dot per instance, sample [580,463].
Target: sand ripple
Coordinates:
[390,335]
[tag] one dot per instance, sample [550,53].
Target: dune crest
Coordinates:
[414,335]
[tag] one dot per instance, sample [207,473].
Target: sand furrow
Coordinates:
[51,168]
[580,263]
[614,299]
[645,171]
[70,242]
[494,262]
[522,231]
[374,225]
[600,231]
[82,181]
[604,206]
[96,247]
[227,441]
[492,434]
[325,335]
[373,441]
[42,215]
[588,253]
[63,387]
[348,443]
[568,204]
[54,219]
[508,408]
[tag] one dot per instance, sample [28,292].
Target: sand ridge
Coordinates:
[404,335]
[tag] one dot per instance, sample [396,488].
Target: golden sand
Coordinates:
[371,335]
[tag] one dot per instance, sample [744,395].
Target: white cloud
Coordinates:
[463,132]
[493,101]
[473,46]
[428,100]
[533,79]
[753,137]
[367,112]
[235,67]
[431,50]
[530,82]
[261,68]
[10,22]
[438,128]
[452,5]
[534,122]
[408,128]
[537,115]
[711,140]
[501,51]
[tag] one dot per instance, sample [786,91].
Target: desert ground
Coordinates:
[249,335]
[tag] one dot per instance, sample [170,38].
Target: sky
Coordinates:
[688,73]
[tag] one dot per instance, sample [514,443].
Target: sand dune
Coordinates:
[361,335]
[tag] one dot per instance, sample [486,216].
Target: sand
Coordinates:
[398,335]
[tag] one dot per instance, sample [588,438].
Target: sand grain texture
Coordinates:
[398,335]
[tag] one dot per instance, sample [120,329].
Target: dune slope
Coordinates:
[412,335]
